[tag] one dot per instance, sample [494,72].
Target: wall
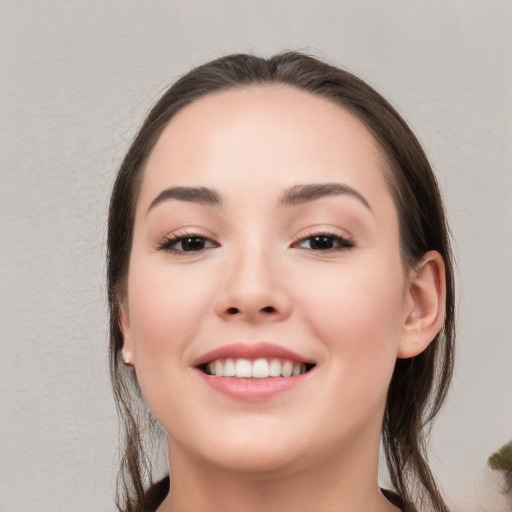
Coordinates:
[76,79]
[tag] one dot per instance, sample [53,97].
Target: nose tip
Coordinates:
[254,302]
[252,287]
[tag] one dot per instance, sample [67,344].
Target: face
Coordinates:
[266,295]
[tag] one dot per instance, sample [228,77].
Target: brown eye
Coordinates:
[192,243]
[325,242]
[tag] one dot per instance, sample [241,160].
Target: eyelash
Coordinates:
[343,244]
[168,243]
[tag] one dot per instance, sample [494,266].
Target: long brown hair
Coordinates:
[419,385]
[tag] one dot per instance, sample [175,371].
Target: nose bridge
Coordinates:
[251,264]
[252,284]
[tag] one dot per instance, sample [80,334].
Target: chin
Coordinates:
[257,460]
[250,448]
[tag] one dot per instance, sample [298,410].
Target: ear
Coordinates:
[128,352]
[425,305]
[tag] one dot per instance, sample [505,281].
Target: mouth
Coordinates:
[253,361]
[260,368]
[253,372]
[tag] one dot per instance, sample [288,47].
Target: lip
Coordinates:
[250,351]
[251,389]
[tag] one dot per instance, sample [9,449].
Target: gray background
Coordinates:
[75,81]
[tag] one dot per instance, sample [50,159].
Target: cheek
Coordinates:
[165,315]
[165,312]
[358,316]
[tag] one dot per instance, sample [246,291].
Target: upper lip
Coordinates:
[250,351]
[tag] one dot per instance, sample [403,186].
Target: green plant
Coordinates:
[502,461]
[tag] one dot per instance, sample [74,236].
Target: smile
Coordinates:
[261,368]
[253,371]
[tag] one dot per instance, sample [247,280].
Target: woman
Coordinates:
[281,294]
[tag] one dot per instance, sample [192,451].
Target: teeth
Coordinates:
[275,368]
[259,369]
[296,369]
[287,369]
[243,368]
[229,368]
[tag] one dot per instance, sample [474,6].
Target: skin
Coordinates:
[352,311]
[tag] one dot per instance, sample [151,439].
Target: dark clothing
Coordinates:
[397,501]
[157,493]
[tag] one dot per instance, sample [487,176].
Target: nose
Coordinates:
[253,290]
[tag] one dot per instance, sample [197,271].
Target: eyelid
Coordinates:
[166,243]
[347,242]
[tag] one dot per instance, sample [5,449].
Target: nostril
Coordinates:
[234,311]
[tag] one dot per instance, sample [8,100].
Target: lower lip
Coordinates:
[253,389]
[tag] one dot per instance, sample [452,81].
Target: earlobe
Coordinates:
[127,353]
[426,305]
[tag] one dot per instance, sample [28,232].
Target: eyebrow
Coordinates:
[295,195]
[300,194]
[199,195]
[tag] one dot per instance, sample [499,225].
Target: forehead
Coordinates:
[264,134]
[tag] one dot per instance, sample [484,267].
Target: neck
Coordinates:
[348,483]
